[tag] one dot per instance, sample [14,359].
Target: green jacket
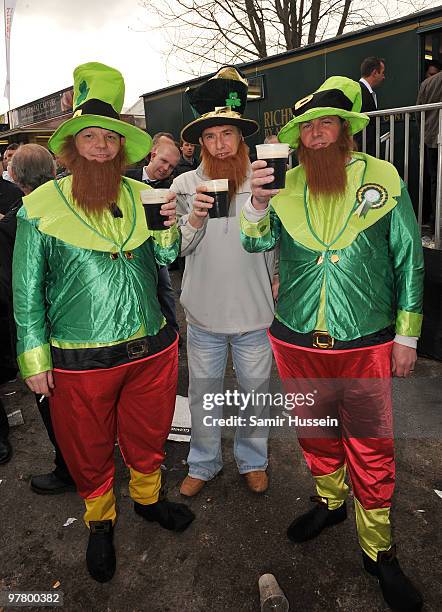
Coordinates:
[345,267]
[81,280]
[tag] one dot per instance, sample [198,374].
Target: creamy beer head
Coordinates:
[217,185]
[154,196]
[152,200]
[272,150]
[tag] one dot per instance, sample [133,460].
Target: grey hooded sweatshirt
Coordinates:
[225,289]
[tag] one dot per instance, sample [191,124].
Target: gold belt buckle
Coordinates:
[322,340]
[137,348]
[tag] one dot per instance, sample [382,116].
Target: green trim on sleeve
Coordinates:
[408,323]
[35,361]
[166,238]
[255,230]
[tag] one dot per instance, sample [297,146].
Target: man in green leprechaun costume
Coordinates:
[348,315]
[91,334]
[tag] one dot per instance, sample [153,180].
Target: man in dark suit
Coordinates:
[372,76]
[31,166]
[9,194]
[158,174]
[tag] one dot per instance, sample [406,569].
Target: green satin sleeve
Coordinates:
[408,265]
[167,245]
[261,236]
[28,283]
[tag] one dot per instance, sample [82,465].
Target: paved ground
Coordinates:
[237,536]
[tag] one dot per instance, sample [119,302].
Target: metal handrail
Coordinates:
[407,111]
[404,109]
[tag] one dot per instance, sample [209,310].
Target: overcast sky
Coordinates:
[50,37]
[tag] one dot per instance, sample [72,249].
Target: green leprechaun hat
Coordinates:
[98,100]
[221,100]
[337,96]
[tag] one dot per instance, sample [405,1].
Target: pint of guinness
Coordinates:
[276,155]
[219,191]
[152,200]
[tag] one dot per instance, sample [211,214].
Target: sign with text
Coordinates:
[274,120]
[45,108]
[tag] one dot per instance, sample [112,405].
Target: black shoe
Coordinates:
[5,450]
[8,375]
[309,525]
[51,484]
[172,516]
[100,554]
[397,590]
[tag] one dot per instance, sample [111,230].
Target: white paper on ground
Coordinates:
[15,418]
[438,492]
[69,522]
[180,430]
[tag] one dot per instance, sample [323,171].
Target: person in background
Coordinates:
[9,195]
[7,156]
[187,160]
[31,166]
[158,174]
[430,92]
[372,77]
[160,138]
[432,68]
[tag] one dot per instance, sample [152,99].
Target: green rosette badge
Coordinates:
[370,195]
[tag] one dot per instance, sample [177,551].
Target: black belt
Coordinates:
[105,357]
[323,340]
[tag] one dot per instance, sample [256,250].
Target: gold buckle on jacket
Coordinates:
[137,348]
[322,340]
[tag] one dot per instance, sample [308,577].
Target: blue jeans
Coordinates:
[207,357]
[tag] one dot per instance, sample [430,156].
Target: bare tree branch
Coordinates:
[201,35]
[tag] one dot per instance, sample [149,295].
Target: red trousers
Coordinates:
[133,404]
[353,386]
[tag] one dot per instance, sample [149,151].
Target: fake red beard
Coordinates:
[234,168]
[325,169]
[95,185]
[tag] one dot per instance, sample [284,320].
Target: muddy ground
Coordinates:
[237,536]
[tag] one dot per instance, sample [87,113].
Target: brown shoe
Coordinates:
[191,486]
[257,481]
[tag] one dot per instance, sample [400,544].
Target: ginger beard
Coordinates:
[95,185]
[235,168]
[325,169]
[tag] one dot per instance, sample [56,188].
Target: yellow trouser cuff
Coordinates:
[145,488]
[101,508]
[333,487]
[374,529]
